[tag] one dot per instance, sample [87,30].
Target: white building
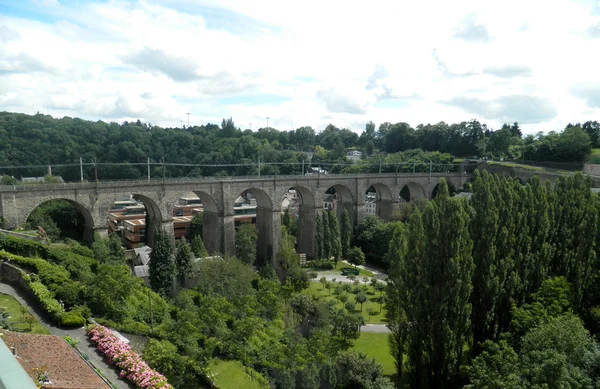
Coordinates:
[370,204]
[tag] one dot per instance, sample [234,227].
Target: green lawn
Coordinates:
[231,375]
[376,346]
[12,306]
[316,289]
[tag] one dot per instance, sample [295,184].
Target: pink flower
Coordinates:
[131,364]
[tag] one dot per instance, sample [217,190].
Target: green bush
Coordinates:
[45,299]
[320,264]
[127,326]
[78,266]
[21,246]
[72,319]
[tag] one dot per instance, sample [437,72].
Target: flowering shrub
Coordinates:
[131,364]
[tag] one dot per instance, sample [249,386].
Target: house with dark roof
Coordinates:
[52,363]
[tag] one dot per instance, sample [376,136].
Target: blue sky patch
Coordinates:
[391,103]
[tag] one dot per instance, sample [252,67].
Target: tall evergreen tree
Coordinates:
[346,233]
[326,236]
[431,283]
[575,225]
[286,219]
[334,233]
[245,243]
[196,227]
[183,260]
[198,248]
[162,266]
[320,237]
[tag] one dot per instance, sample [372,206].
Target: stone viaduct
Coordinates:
[93,200]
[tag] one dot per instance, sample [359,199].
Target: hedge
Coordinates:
[45,299]
[23,247]
[72,319]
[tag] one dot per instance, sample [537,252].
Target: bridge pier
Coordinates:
[227,226]
[268,225]
[89,232]
[384,209]
[211,233]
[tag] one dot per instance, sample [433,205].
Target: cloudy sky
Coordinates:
[311,62]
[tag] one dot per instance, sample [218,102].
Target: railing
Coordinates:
[211,179]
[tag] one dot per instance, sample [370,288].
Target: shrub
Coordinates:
[72,319]
[73,342]
[21,246]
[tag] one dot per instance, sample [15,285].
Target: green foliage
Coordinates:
[571,145]
[326,240]
[72,319]
[196,227]
[24,247]
[162,265]
[357,370]
[228,277]
[373,236]
[59,219]
[334,236]
[107,291]
[557,354]
[245,243]
[198,248]
[45,299]
[429,287]
[320,238]
[356,256]
[553,299]
[183,259]
[345,233]
[73,342]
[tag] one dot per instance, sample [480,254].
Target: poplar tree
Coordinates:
[346,233]
[326,236]
[183,260]
[162,266]
[320,237]
[198,248]
[336,240]
[431,284]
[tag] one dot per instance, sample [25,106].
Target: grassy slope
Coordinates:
[231,375]
[376,346]
[316,289]
[12,306]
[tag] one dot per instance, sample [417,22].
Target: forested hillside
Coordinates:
[41,140]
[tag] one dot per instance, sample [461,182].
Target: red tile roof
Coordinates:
[64,367]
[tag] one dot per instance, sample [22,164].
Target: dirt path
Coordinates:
[84,346]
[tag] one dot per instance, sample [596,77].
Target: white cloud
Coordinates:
[334,61]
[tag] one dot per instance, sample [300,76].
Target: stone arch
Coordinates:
[411,191]
[82,210]
[344,200]
[382,202]
[306,239]
[154,216]
[268,221]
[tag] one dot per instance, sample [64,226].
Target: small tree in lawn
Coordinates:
[379,300]
[380,287]
[372,312]
[198,248]
[365,280]
[350,306]
[373,282]
[183,260]
[346,288]
[361,298]
[343,298]
[328,285]
[356,256]
[313,275]
[29,319]
[323,281]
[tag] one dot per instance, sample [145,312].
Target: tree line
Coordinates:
[493,292]
[42,140]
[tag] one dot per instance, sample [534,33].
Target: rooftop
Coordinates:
[65,369]
[12,375]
